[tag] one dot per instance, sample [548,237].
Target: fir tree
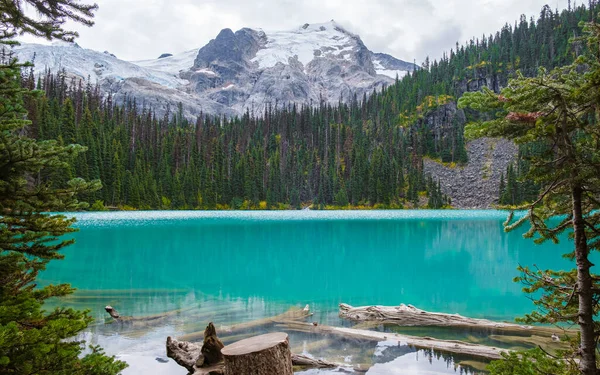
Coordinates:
[560,108]
[32,340]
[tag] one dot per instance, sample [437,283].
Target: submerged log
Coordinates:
[142,320]
[267,354]
[410,316]
[448,346]
[299,360]
[546,343]
[292,314]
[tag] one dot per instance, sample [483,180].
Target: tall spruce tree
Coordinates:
[561,109]
[32,340]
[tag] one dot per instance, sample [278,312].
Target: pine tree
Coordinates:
[560,108]
[32,340]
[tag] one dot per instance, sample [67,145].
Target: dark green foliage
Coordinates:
[289,156]
[517,188]
[35,178]
[437,199]
[531,362]
[32,341]
[49,18]
[555,116]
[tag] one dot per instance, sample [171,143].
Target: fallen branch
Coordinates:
[183,353]
[303,361]
[149,319]
[410,316]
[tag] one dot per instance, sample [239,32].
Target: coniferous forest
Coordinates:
[367,152]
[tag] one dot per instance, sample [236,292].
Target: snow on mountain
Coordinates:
[305,43]
[390,66]
[392,73]
[235,72]
[86,63]
[173,64]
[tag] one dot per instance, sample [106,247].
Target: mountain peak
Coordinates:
[237,71]
[325,26]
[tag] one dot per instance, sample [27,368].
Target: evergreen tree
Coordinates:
[32,340]
[560,108]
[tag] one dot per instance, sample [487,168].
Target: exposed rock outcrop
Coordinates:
[476,184]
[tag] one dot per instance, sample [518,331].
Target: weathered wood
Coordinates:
[218,369]
[299,360]
[142,320]
[205,360]
[267,354]
[211,349]
[186,354]
[410,316]
[533,341]
[183,353]
[290,315]
[449,346]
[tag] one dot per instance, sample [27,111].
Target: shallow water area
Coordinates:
[231,266]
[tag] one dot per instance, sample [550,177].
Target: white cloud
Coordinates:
[407,29]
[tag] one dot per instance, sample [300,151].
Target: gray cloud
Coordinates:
[407,29]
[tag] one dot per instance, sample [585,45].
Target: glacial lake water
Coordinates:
[230,267]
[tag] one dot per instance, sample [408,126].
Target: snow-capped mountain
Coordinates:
[235,72]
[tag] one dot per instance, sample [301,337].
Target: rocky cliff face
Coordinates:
[237,71]
[476,184]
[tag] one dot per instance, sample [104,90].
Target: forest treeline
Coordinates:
[365,152]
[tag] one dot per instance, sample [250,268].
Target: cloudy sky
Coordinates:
[407,29]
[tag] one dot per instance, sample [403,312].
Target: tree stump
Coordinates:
[259,355]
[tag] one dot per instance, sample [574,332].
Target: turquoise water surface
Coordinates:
[237,266]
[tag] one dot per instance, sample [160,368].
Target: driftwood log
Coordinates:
[267,354]
[299,360]
[448,346]
[410,316]
[184,353]
[141,321]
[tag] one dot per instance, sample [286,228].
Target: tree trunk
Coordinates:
[587,365]
[260,355]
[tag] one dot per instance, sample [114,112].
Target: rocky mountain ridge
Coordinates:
[240,71]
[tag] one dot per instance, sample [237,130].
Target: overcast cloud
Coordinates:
[406,29]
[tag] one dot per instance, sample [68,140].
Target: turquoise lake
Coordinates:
[230,267]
